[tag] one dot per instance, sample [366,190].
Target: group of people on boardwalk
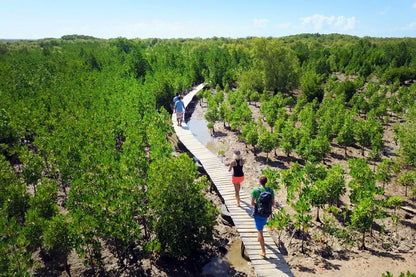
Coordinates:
[260,213]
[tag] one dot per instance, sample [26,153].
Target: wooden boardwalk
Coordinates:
[274,265]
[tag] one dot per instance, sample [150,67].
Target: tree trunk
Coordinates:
[317,216]
[303,240]
[363,241]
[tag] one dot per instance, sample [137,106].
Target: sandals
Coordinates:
[262,256]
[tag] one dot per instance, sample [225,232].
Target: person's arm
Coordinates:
[253,201]
[231,166]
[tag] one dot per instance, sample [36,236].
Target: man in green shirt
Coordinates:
[261,220]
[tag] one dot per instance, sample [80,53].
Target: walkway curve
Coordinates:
[274,265]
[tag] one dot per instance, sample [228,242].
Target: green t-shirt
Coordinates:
[255,192]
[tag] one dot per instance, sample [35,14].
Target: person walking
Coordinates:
[238,175]
[175,98]
[262,200]
[179,109]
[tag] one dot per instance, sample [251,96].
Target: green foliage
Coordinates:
[362,217]
[394,202]
[33,169]
[335,180]
[402,274]
[251,79]
[363,182]
[407,179]
[15,256]
[182,217]
[345,137]
[250,134]
[273,177]
[311,86]
[240,116]
[57,235]
[406,134]
[280,221]
[302,220]
[346,89]
[267,141]
[399,73]
[288,139]
[271,108]
[313,150]
[211,114]
[384,171]
[7,133]
[277,63]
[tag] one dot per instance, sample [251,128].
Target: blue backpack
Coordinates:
[264,203]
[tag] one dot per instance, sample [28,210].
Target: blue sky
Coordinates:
[35,19]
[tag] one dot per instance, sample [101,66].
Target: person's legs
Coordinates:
[260,238]
[237,193]
[178,118]
[260,222]
[237,180]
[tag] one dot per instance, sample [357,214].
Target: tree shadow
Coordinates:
[331,266]
[385,254]
[337,156]
[342,255]
[325,252]
[290,159]
[306,269]
[188,267]
[377,227]
[55,262]
[270,163]
[219,134]
[282,248]
[408,224]
[410,204]
[389,151]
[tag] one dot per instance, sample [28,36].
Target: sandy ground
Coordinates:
[326,256]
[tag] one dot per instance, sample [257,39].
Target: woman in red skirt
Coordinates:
[238,175]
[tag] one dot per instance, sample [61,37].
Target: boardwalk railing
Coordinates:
[274,265]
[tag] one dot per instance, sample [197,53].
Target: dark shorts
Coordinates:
[260,222]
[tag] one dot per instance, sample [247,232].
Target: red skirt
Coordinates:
[237,179]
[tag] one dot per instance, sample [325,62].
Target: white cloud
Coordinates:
[414,5]
[260,22]
[321,23]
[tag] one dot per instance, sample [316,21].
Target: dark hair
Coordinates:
[263,180]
